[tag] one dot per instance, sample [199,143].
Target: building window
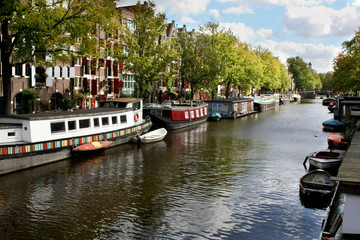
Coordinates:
[84,123]
[71,125]
[57,127]
[123,119]
[18,70]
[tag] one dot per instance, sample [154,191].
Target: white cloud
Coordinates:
[215,13]
[238,10]
[321,21]
[183,8]
[186,19]
[244,33]
[320,55]
[276,2]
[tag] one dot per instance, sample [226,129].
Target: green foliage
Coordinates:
[29,97]
[148,58]
[304,77]
[326,80]
[346,66]
[43,32]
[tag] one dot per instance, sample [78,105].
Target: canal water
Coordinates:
[232,179]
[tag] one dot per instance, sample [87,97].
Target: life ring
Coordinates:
[136,117]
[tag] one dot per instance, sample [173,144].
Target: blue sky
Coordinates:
[311,29]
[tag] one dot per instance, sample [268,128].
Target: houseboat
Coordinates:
[264,102]
[231,107]
[29,140]
[176,115]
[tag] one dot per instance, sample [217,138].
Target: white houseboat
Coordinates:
[29,140]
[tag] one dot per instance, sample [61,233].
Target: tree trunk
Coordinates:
[6,67]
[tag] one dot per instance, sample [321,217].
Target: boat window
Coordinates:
[57,127]
[123,119]
[84,123]
[96,122]
[186,115]
[201,112]
[136,106]
[192,114]
[11,134]
[114,120]
[105,121]
[71,125]
[197,113]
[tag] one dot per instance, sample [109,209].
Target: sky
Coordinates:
[311,29]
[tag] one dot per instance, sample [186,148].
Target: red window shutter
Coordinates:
[93,67]
[94,87]
[115,69]
[108,63]
[116,86]
[121,65]
[85,83]
[84,61]
[101,62]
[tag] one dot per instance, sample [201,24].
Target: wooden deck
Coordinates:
[349,171]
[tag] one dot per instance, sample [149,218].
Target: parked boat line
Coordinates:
[29,140]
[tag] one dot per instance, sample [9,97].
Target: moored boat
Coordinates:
[214,117]
[175,116]
[230,107]
[29,140]
[325,159]
[91,146]
[327,101]
[317,189]
[150,137]
[333,125]
[337,141]
[264,102]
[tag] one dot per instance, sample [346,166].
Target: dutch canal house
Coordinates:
[97,79]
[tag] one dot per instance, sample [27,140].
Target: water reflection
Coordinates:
[232,179]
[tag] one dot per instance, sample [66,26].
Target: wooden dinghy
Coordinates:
[317,189]
[326,159]
[91,146]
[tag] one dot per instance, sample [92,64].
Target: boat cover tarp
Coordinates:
[333,122]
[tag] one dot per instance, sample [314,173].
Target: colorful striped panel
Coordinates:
[68,142]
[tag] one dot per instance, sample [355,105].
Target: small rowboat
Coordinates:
[337,141]
[333,125]
[91,146]
[326,159]
[317,188]
[153,136]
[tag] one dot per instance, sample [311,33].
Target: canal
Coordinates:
[232,179]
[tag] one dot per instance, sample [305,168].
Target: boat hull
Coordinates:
[162,122]
[150,137]
[324,163]
[61,149]
[316,189]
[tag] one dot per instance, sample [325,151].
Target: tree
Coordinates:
[302,75]
[42,32]
[346,66]
[145,55]
[326,80]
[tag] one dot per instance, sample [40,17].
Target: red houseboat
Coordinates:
[173,115]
